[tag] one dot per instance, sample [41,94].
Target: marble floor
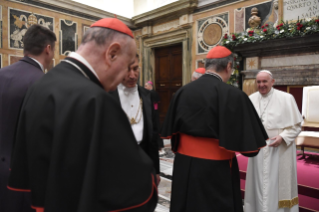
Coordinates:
[164,188]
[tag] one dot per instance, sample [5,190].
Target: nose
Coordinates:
[131,75]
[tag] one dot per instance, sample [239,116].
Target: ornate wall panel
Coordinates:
[210,32]
[19,21]
[252,63]
[68,36]
[239,20]
[14,58]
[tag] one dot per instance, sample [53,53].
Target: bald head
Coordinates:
[265,81]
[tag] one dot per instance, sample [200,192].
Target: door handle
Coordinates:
[162,85]
[178,84]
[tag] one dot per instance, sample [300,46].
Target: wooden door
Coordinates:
[168,75]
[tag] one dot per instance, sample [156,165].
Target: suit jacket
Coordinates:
[149,143]
[14,82]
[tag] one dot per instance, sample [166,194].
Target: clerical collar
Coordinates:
[84,61]
[126,90]
[215,75]
[268,94]
[41,66]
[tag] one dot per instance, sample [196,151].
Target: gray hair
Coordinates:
[102,36]
[219,64]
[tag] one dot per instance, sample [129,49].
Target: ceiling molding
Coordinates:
[170,11]
[74,9]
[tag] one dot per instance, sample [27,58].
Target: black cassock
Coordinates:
[209,108]
[75,149]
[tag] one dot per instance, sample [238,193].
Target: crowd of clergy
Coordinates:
[85,137]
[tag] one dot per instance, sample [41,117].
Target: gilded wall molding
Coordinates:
[72,8]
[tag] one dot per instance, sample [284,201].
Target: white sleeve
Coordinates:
[289,134]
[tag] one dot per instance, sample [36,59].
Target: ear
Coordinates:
[112,52]
[229,67]
[47,49]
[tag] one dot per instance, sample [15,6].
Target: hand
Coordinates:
[158,179]
[278,139]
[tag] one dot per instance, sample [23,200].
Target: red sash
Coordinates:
[205,148]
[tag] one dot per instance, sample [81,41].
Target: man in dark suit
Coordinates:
[15,79]
[137,103]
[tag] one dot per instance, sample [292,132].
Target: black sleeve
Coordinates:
[154,147]
[250,154]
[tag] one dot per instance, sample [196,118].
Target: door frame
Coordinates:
[149,44]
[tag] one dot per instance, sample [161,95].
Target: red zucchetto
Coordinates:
[200,70]
[113,23]
[218,52]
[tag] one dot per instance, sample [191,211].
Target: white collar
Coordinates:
[268,94]
[84,61]
[215,75]
[41,66]
[126,90]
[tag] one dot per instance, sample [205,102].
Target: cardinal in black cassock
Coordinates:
[208,121]
[75,149]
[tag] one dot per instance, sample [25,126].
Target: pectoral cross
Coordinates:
[132,121]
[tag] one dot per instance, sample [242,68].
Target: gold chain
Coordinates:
[133,120]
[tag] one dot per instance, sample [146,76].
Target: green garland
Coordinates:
[267,32]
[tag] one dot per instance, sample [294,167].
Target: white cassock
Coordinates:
[271,179]
[130,102]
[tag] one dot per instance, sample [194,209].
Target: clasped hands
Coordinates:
[278,139]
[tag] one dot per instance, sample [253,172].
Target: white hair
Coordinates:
[266,71]
[196,75]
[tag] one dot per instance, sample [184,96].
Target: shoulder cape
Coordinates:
[210,108]
[282,110]
[75,150]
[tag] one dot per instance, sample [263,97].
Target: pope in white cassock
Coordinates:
[271,180]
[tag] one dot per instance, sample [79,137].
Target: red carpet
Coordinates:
[308,180]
